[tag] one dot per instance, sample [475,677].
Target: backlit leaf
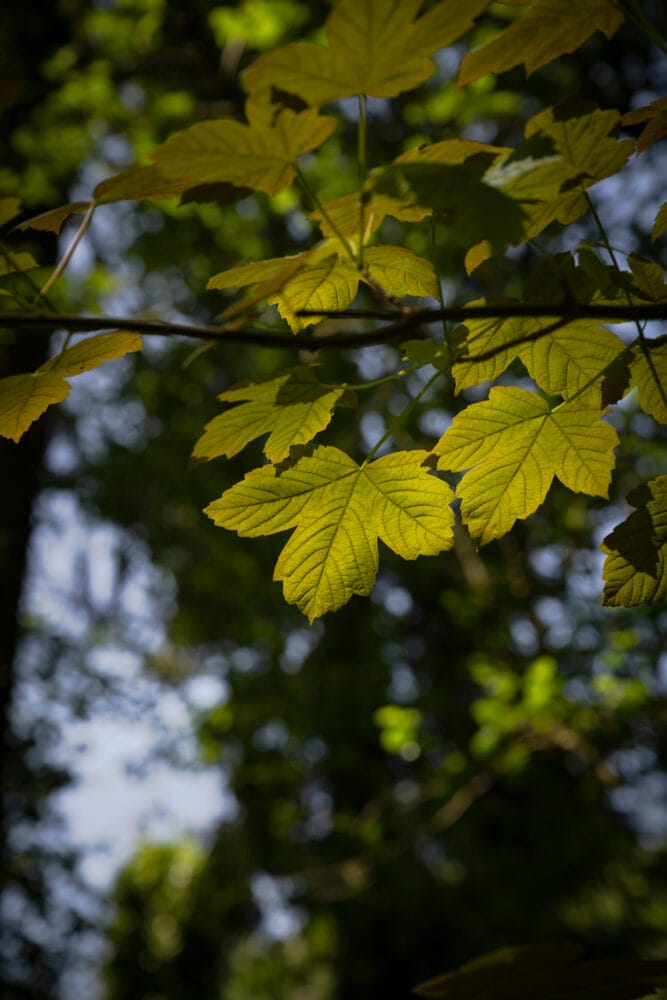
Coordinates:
[338,510]
[400,272]
[92,352]
[24,398]
[9,263]
[545,31]
[648,371]
[660,224]
[327,278]
[635,570]
[374,47]
[9,209]
[344,213]
[260,155]
[136,184]
[473,209]
[291,407]
[53,221]
[655,115]
[563,361]
[513,445]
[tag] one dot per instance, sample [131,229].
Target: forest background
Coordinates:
[472,757]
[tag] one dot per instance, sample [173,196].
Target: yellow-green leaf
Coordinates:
[12,262]
[24,398]
[344,214]
[92,352]
[260,155]
[635,570]
[136,184]
[648,371]
[290,406]
[660,224]
[322,278]
[563,361]
[545,31]
[374,47]
[338,510]
[400,272]
[513,445]
[655,115]
[9,209]
[53,220]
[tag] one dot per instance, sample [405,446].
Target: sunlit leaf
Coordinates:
[471,208]
[655,115]
[635,570]
[563,360]
[291,407]
[9,209]
[136,184]
[11,262]
[513,445]
[660,224]
[374,47]
[339,510]
[52,221]
[345,215]
[400,272]
[545,31]
[260,155]
[92,352]
[24,398]
[648,371]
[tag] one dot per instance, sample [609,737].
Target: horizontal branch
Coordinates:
[403,323]
[566,311]
[218,334]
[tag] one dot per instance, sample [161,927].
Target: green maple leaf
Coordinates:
[327,278]
[344,211]
[473,209]
[563,361]
[567,149]
[545,31]
[374,47]
[648,371]
[655,114]
[261,155]
[338,510]
[660,224]
[513,445]
[24,398]
[290,406]
[635,570]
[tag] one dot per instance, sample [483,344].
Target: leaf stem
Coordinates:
[325,215]
[362,167]
[400,418]
[85,222]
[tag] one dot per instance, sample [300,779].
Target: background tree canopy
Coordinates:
[471,756]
